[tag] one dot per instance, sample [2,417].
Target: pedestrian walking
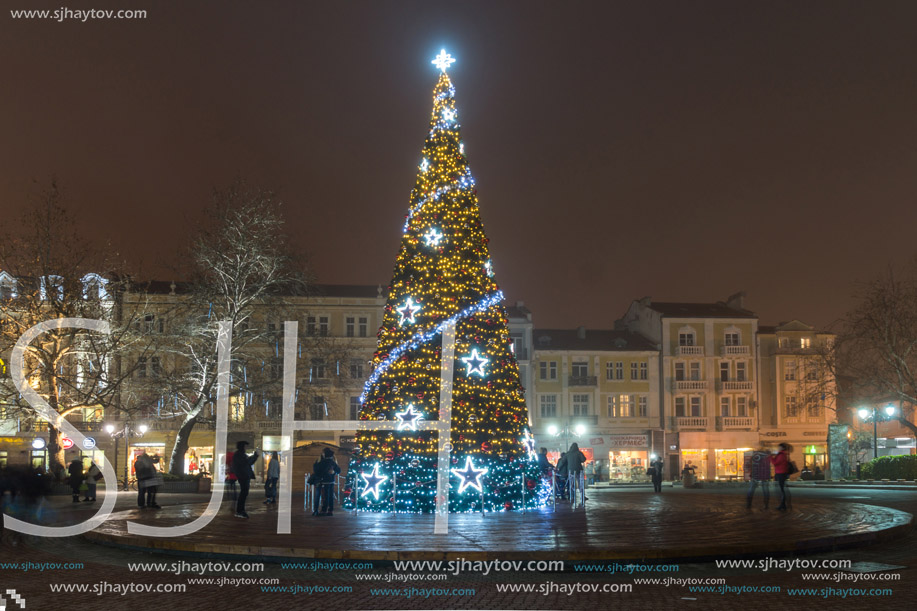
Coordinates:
[75,471]
[656,466]
[781,462]
[273,476]
[543,463]
[758,472]
[324,470]
[242,469]
[230,476]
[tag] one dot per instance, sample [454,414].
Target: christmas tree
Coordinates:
[443,274]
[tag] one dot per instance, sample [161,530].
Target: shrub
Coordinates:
[891,467]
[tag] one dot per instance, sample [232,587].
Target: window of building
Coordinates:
[741,371]
[155,366]
[625,406]
[812,409]
[742,407]
[784,342]
[686,338]
[548,406]
[609,370]
[547,370]
[324,326]
[680,372]
[141,367]
[356,369]
[641,406]
[805,343]
[276,368]
[350,324]
[789,370]
[7,287]
[680,407]
[695,407]
[695,371]
[619,370]
[724,407]
[634,371]
[580,369]
[237,408]
[4,457]
[644,371]
[792,408]
[52,286]
[724,372]
[311,327]
[354,408]
[151,324]
[811,372]
[318,368]
[364,326]
[580,405]
[732,339]
[94,287]
[318,408]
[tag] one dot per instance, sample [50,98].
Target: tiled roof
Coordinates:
[592,339]
[675,309]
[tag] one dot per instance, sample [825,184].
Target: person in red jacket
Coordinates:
[781,462]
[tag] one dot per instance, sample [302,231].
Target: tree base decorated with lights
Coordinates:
[443,277]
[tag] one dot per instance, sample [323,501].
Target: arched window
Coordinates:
[52,285]
[7,287]
[94,287]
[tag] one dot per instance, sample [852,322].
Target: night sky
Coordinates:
[684,151]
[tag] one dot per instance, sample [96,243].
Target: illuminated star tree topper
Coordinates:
[443,61]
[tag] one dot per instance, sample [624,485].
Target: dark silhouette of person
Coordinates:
[657,465]
[242,469]
[325,470]
[75,471]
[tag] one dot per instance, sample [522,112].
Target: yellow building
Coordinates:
[706,381]
[797,392]
[597,388]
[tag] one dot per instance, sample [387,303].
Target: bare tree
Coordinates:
[48,272]
[243,272]
[877,350]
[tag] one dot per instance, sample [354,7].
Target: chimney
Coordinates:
[581,332]
[736,301]
[646,301]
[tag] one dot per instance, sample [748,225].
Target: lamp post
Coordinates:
[866,413]
[124,432]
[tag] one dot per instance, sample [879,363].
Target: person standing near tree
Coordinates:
[242,469]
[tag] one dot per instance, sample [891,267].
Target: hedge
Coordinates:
[891,467]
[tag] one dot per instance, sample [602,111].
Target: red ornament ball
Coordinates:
[530,484]
[508,505]
[485,447]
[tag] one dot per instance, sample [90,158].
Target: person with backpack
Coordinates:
[242,469]
[323,473]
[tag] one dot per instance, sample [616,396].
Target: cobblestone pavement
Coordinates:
[420,588]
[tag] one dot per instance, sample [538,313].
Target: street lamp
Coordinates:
[865,413]
[125,432]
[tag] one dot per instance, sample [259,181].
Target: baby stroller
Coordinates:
[560,486]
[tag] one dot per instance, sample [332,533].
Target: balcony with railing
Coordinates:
[582,381]
[684,423]
[735,351]
[689,385]
[522,354]
[735,385]
[736,423]
[689,351]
